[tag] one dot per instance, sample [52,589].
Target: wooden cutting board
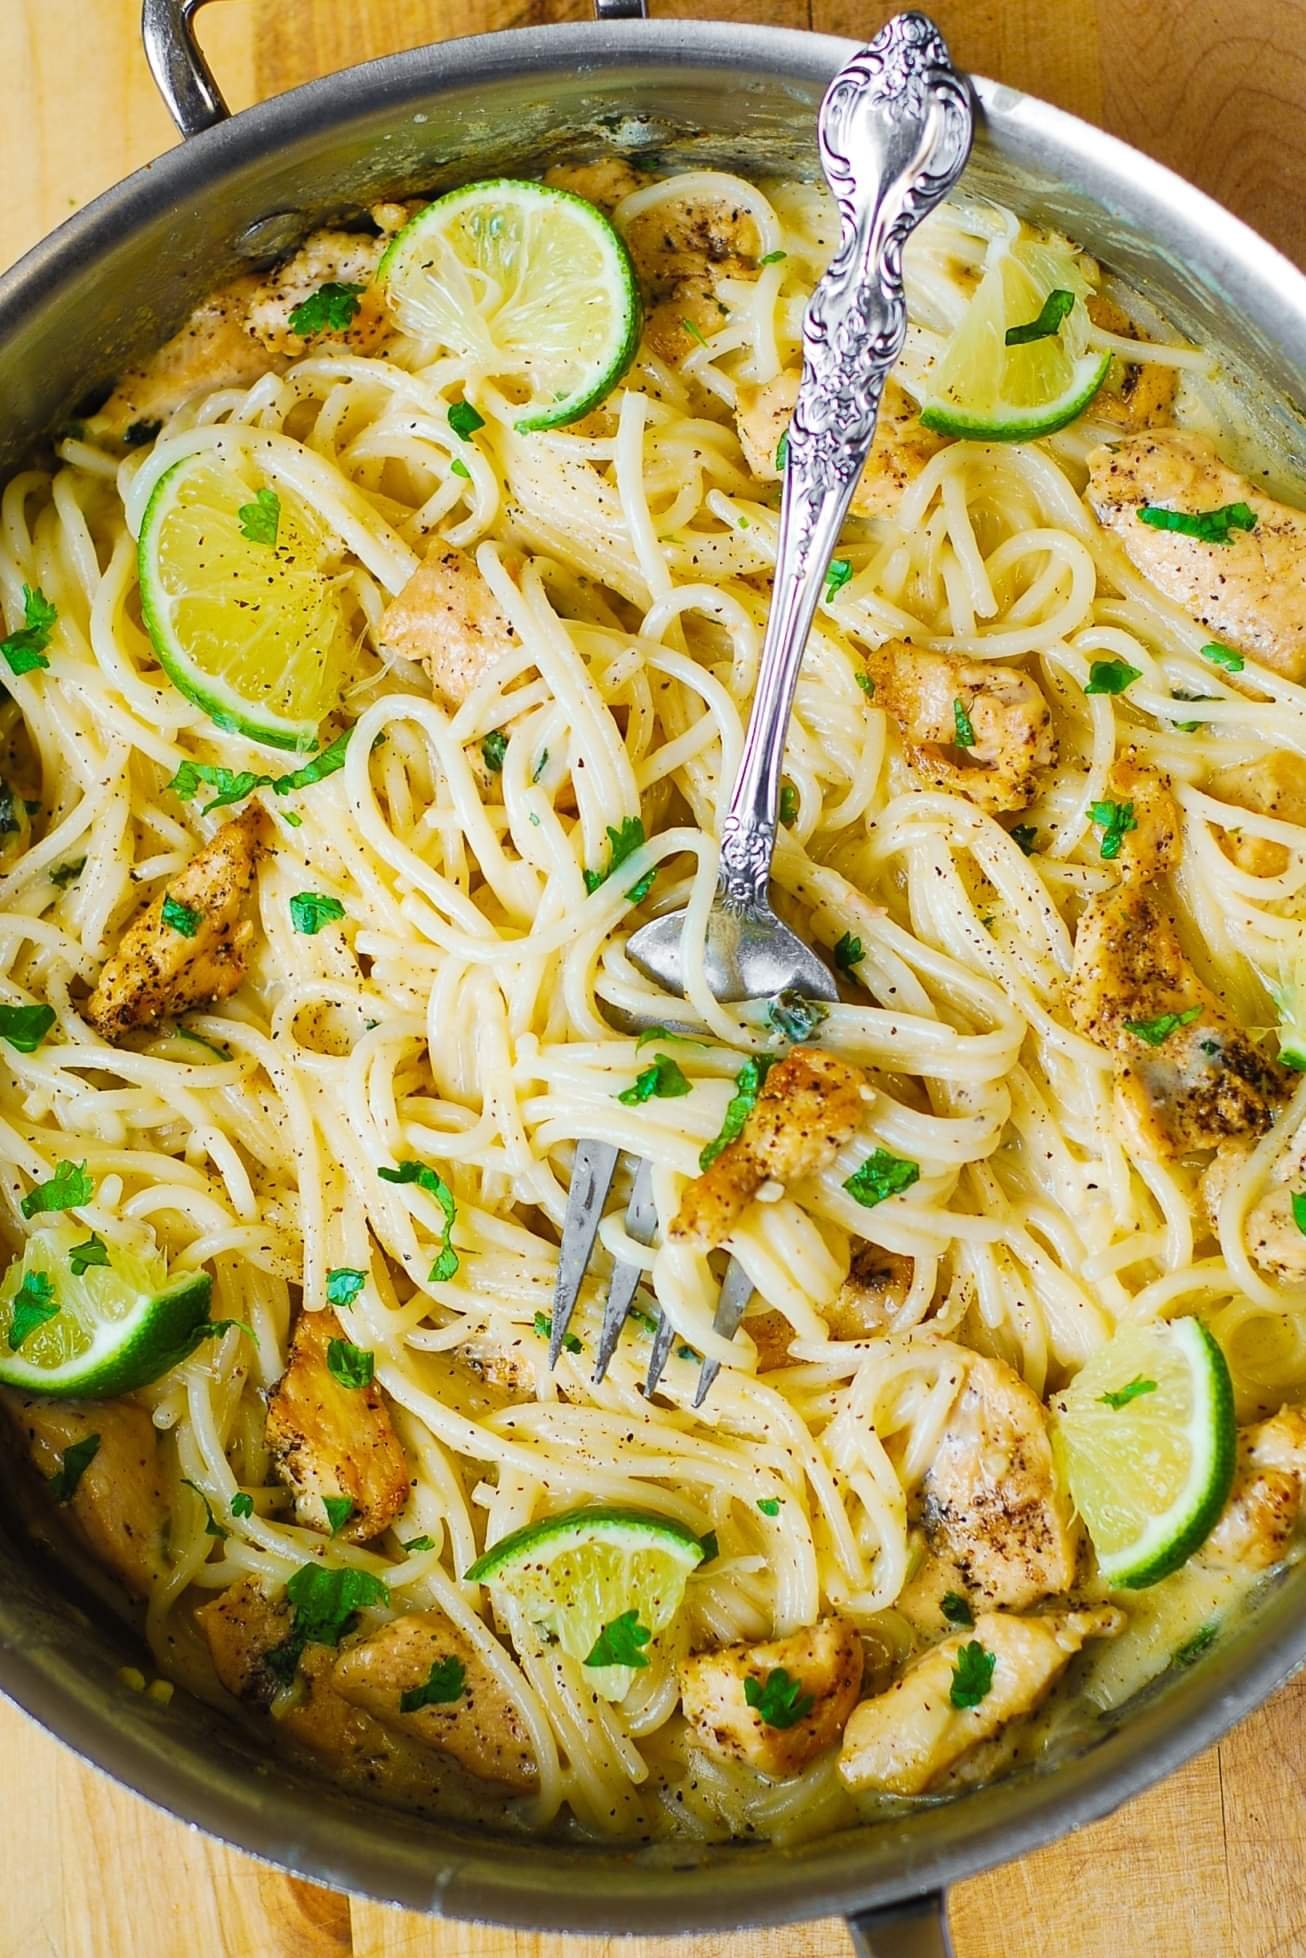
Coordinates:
[1210,1864]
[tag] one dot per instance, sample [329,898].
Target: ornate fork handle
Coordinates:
[896,129]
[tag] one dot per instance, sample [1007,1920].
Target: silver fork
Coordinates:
[895,130]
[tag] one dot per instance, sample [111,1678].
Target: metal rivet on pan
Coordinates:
[269,237]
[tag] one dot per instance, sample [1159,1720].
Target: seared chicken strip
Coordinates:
[1136,393]
[1182,1084]
[478,1724]
[900,450]
[824,1661]
[188,945]
[327,1439]
[241,1626]
[1273,786]
[604,182]
[698,230]
[992,1500]
[903,1741]
[874,1291]
[117,1507]
[809,1106]
[447,618]
[213,350]
[1249,593]
[1265,1502]
[938,700]
[347,258]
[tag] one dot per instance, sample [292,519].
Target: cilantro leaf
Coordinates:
[1224,656]
[1159,1029]
[1111,676]
[543,1325]
[623,842]
[881,1175]
[65,874]
[1190,727]
[25,1027]
[779,1700]
[1299,1210]
[444,1684]
[618,1644]
[343,1284]
[73,1464]
[333,306]
[310,910]
[748,1086]
[434,1184]
[782,452]
[183,918]
[338,1509]
[1208,526]
[788,808]
[326,763]
[69,1187]
[241,1504]
[464,420]
[794,1016]
[956,1610]
[325,1601]
[231,787]
[1122,1396]
[493,749]
[1048,323]
[81,1257]
[663,1078]
[1025,837]
[643,885]
[459,468]
[866,683]
[1115,819]
[260,520]
[25,649]
[212,1527]
[769,1505]
[34,1304]
[352,1366]
[849,952]
[1192,1648]
[838,573]
[972,1675]
[419,1543]
[711,1545]
[772,258]
[965,731]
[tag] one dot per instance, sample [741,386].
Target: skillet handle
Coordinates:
[186,82]
[917,1928]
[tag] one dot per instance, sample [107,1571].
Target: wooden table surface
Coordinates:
[1210,1864]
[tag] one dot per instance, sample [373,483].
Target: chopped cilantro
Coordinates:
[25,649]
[1122,1396]
[1111,676]
[769,1505]
[618,1644]
[435,1186]
[352,1366]
[849,952]
[1159,1029]
[25,1027]
[231,787]
[1224,656]
[881,1175]
[1190,727]
[651,1034]
[1115,819]
[1192,1648]
[459,468]
[961,721]
[416,1544]
[838,574]
[956,1610]
[1048,322]
[241,1504]
[543,1325]
[623,842]
[260,520]
[1299,1210]
[662,1078]
[640,889]
[34,1304]
[794,1016]
[782,452]
[311,910]
[65,1190]
[711,1545]
[493,749]
[464,420]
[139,433]
[779,1701]
[338,1509]
[772,258]
[972,1676]
[332,306]
[82,1257]
[748,1085]
[444,1684]
[540,765]
[1025,837]
[212,1527]
[325,1601]
[73,1464]
[1208,526]
[343,1284]
[788,804]
[65,874]
[866,683]
[183,918]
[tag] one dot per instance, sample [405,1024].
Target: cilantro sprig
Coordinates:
[443,1685]
[663,1078]
[34,1305]
[618,1644]
[67,1189]
[1208,526]
[623,841]
[25,649]
[25,1027]
[350,1365]
[181,918]
[1111,676]
[882,1175]
[73,1464]
[972,1675]
[333,307]
[779,1701]
[260,521]
[1121,1396]
[1115,820]
[1154,1032]
[430,1180]
[343,1284]
[326,1602]
[748,1086]
[1048,322]
[233,787]
[311,910]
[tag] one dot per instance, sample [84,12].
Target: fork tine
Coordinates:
[641,1222]
[591,1179]
[657,1359]
[736,1291]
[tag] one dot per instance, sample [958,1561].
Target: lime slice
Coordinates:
[248,628]
[117,1326]
[1146,1436]
[984,389]
[573,1575]
[529,285]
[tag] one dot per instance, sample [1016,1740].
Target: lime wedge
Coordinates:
[991,392]
[96,1330]
[249,627]
[575,1575]
[1146,1437]
[531,286]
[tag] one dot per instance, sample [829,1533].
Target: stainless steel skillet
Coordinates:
[117,278]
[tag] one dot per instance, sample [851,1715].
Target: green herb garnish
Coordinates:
[1122,1396]
[459,468]
[662,1078]
[310,910]
[338,1509]
[73,1464]
[623,842]
[1111,676]
[866,683]
[139,433]
[25,649]
[779,1701]
[1192,1648]
[956,1609]
[325,1603]
[972,1676]
[435,1186]
[837,575]
[352,1366]
[1115,819]
[1299,1210]
[182,918]
[34,1304]
[788,810]
[241,1504]
[782,452]
[65,874]
[1208,526]
[1025,837]
[543,1325]
[1048,323]
[333,306]
[1224,656]
[772,258]
[69,1187]
[881,1175]
[418,1543]
[212,1527]
[343,1284]
[849,952]
[493,749]
[748,1085]
[94,1253]
[464,420]
[444,1684]
[795,1016]
[618,1644]
[769,1505]
[260,520]
[25,1027]
[1159,1029]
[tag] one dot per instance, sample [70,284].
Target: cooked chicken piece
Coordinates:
[824,1661]
[871,1295]
[1273,786]
[446,617]
[347,258]
[932,696]
[903,1741]
[1136,393]
[392,214]
[479,1726]
[330,1440]
[921,1598]
[196,953]
[1270,1230]
[213,350]
[772,1335]
[690,314]
[1191,1085]
[901,449]
[695,233]
[117,1507]
[241,1626]
[809,1106]
[1265,1502]
[604,182]
[1249,593]
[992,1500]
